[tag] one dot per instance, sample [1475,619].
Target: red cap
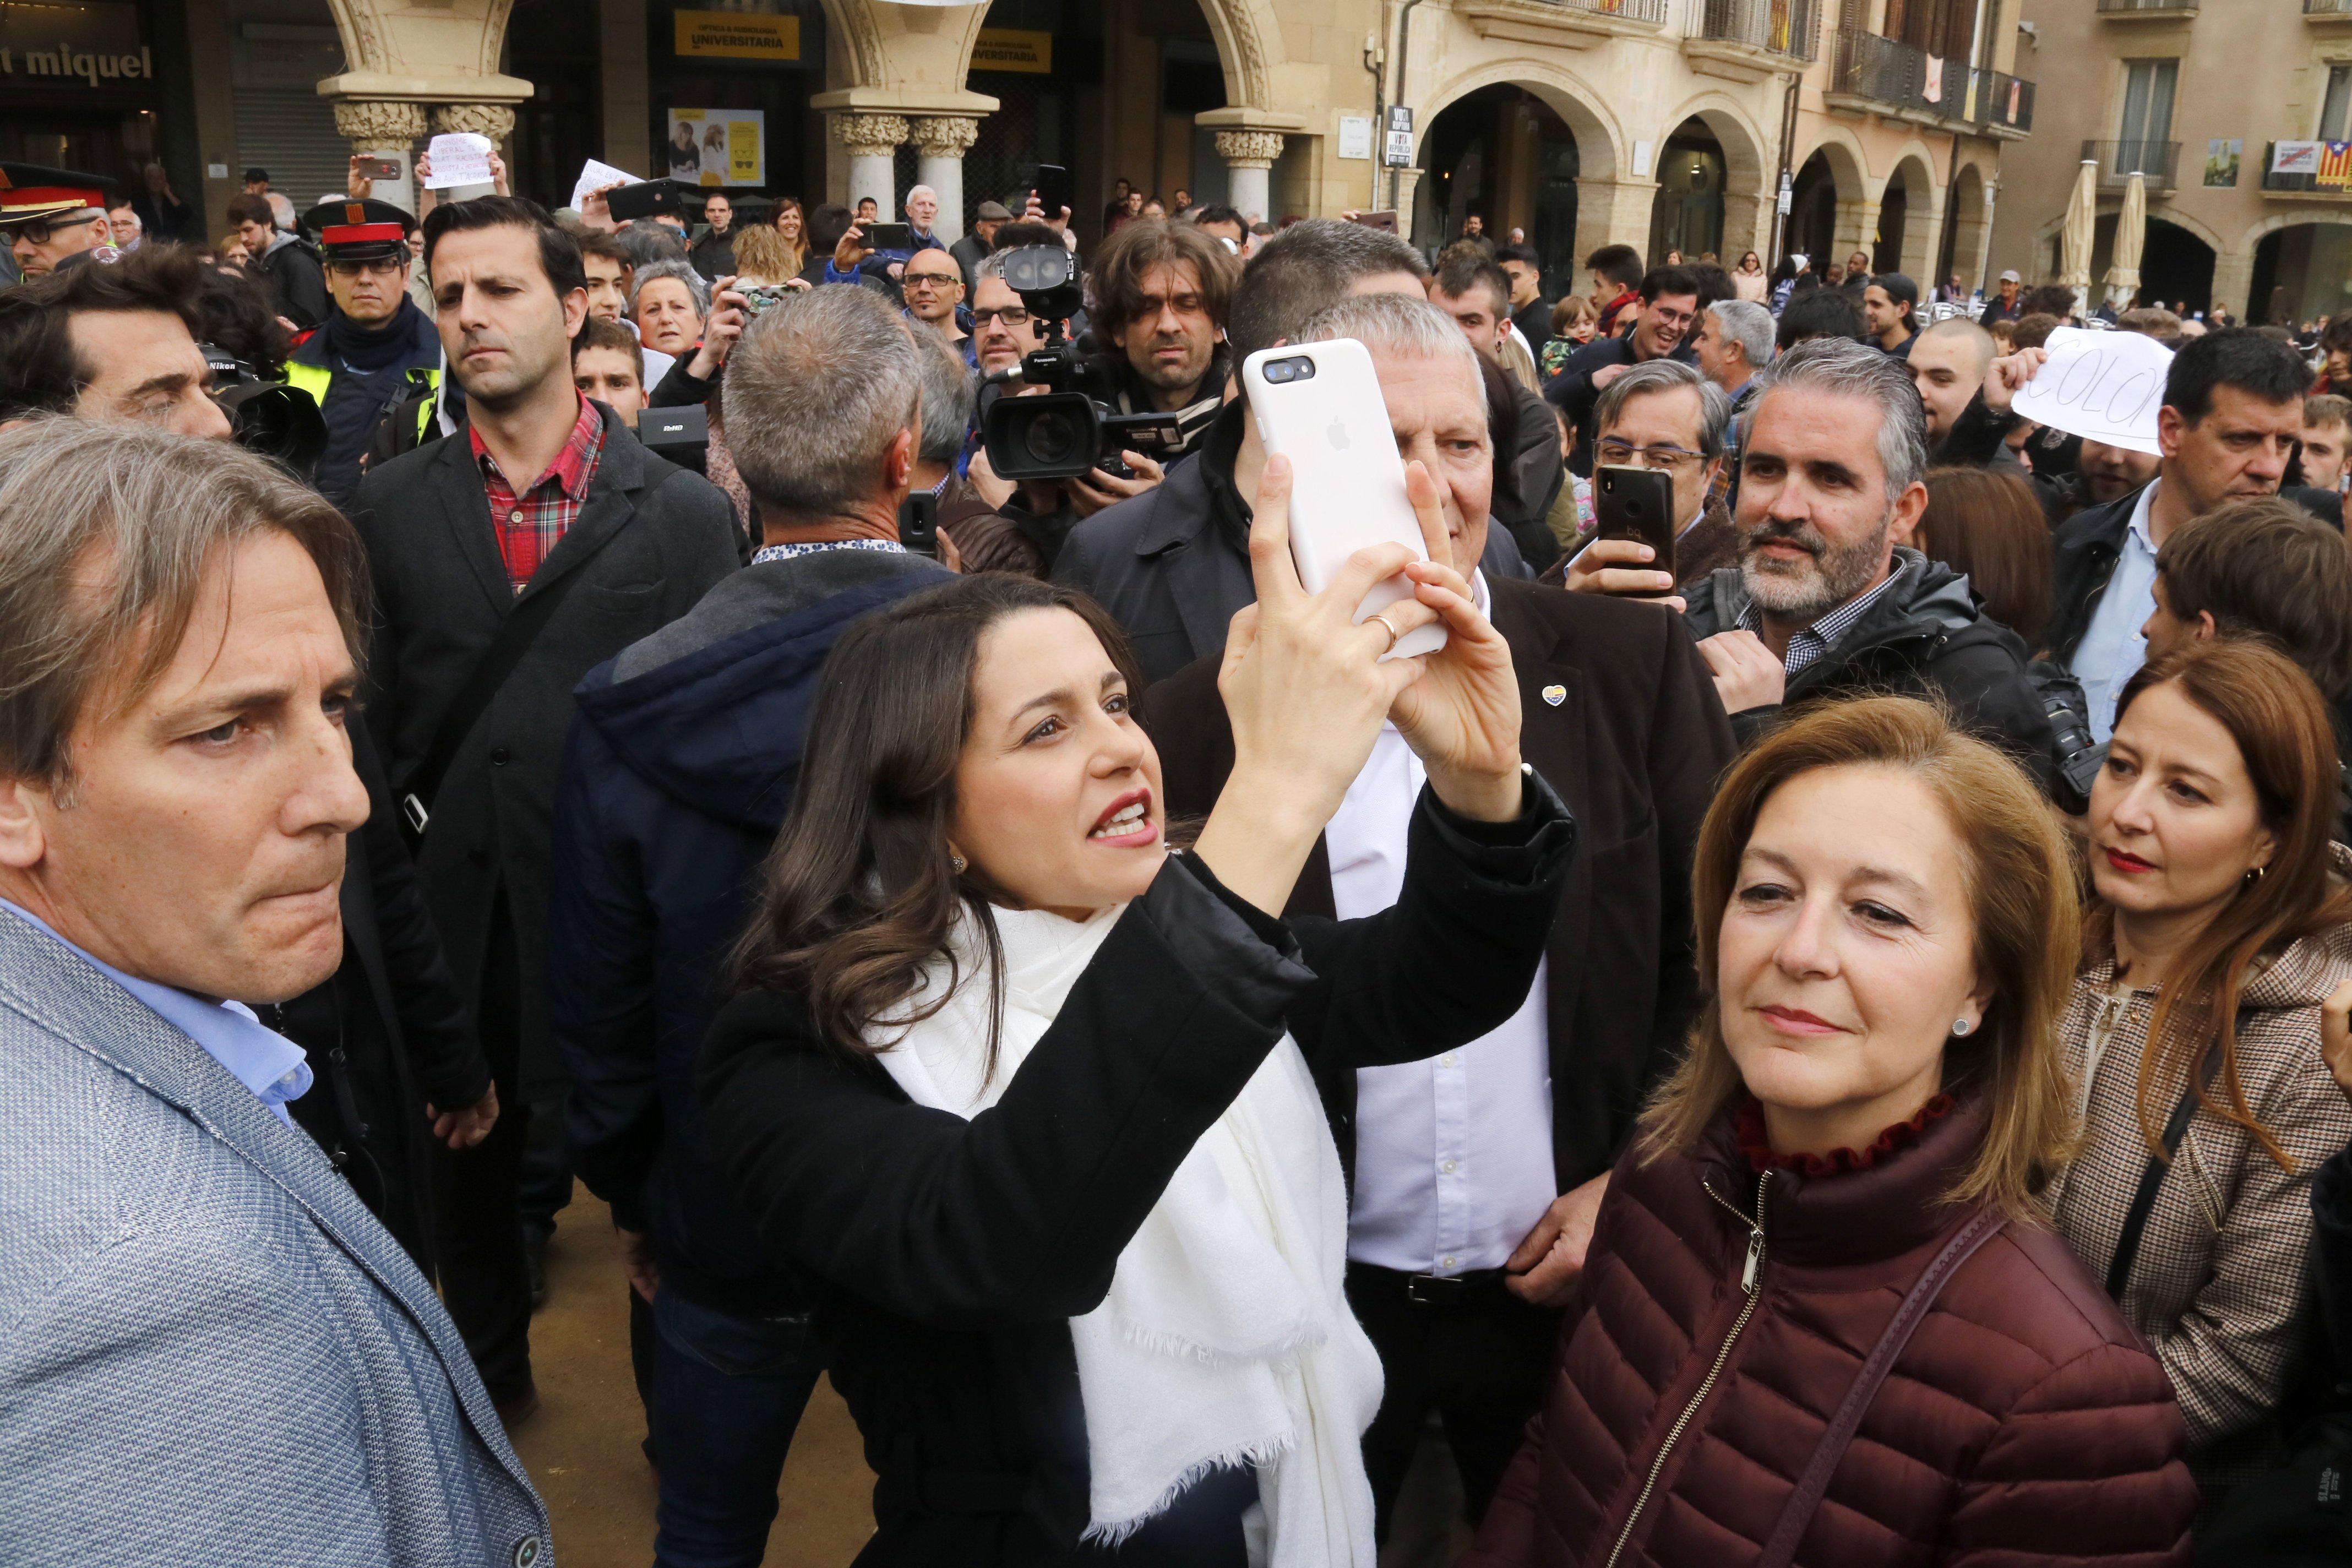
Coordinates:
[361,234]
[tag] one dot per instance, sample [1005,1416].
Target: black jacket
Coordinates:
[2082,556]
[955,1252]
[1634,743]
[388,1034]
[1573,391]
[1927,637]
[1172,565]
[649,543]
[1528,470]
[294,271]
[713,255]
[678,775]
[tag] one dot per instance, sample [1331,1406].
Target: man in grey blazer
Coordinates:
[544,514]
[210,1351]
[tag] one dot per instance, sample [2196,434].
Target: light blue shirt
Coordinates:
[2113,646]
[273,1067]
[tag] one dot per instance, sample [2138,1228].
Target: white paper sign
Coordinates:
[2103,386]
[1355,136]
[594,176]
[459,158]
[2295,157]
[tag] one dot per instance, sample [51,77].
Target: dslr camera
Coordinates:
[266,417]
[1072,426]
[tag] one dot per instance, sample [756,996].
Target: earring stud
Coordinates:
[1961,1025]
[957,862]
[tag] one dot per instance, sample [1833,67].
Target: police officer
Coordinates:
[375,349]
[52,218]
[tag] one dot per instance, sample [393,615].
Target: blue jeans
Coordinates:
[728,1394]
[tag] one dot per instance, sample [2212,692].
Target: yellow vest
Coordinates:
[312,381]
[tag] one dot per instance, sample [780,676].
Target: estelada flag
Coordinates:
[2334,165]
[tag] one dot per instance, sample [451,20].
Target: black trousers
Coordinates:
[1476,1354]
[477,1223]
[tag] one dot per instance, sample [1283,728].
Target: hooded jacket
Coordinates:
[1730,1304]
[677,775]
[1927,637]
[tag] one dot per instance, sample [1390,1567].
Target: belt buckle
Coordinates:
[1434,1289]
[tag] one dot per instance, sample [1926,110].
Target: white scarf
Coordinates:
[1226,1339]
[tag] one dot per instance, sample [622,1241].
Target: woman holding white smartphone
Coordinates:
[1031,1092]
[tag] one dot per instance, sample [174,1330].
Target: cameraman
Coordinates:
[110,344]
[1160,291]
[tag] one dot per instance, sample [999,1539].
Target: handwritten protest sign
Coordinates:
[593,175]
[2103,386]
[459,158]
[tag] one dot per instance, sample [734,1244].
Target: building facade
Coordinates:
[2195,97]
[1710,126]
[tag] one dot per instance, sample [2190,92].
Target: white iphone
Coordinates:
[1319,404]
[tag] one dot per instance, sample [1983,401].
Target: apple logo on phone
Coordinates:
[1338,436]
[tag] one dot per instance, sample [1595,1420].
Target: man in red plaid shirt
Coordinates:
[548,535]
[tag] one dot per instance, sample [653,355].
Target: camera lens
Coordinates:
[1052,438]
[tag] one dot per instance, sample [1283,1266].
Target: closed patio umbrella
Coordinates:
[2074,238]
[2131,236]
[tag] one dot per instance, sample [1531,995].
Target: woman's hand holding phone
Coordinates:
[1307,691]
[1462,717]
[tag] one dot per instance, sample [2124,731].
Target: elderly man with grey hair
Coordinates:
[212,1351]
[1475,1176]
[1823,602]
[1661,415]
[677,775]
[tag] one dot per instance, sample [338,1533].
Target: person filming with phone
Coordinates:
[1663,417]
[1034,1097]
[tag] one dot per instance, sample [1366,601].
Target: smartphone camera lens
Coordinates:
[1299,367]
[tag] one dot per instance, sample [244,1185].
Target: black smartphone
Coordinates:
[888,235]
[1629,503]
[1052,183]
[918,523]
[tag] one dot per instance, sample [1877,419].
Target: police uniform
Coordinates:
[34,195]
[357,374]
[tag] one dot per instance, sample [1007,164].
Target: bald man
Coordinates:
[1948,365]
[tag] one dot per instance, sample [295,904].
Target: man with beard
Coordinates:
[1160,292]
[1823,603]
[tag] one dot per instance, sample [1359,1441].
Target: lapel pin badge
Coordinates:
[1555,695]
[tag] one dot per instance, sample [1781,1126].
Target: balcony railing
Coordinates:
[2109,7]
[1888,72]
[1790,27]
[2327,7]
[2306,181]
[1631,10]
[2118,160]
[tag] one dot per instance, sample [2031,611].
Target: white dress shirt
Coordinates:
[2113,646]
[1453,1159]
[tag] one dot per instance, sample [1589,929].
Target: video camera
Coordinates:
[266,417]
[1071,427]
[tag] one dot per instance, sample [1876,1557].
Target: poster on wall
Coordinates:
[2221,155]
[718,146]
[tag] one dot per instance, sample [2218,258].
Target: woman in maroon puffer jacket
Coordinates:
[1878,1072]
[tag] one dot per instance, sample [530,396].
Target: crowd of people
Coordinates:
[1829,1042]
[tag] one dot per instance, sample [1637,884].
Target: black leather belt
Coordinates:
[1453,1290]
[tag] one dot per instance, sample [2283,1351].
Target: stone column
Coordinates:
[872,141]
[1249,158]
[1613,212]
[941,140]
[2233,283]
[1857,229]
[380,130]
[1407,182]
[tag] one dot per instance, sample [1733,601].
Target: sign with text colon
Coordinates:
[739,36]
[718,146]
[1013,49]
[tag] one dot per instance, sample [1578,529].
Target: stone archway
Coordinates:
[1910,218]
[1610,210]
[1967,228]
[2298,266]
[1833,209]
[1747,171]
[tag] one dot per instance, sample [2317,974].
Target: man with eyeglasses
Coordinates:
[51,218]
[933,285]
[376,350]
[1003,330]
[1668,310]
[1667,417]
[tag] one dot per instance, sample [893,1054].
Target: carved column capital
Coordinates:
[945,135]
[495,121]
[869,136]
[1249,149]
[371,125]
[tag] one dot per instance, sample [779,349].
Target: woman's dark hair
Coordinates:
[1987,525]
[859,894]
[2279,723]
[1818,313]
[559,253]
[822,225]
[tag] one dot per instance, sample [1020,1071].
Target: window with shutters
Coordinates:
[2335,109]
[2147,125]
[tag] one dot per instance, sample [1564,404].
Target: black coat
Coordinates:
[1927,637]
[677,775]
[955,1252]
[388,1034]
[294,271]
[1172,565]
[1575,395]
[649,543]
[1635,746]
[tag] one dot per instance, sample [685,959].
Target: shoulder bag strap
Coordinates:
[2151,1181]
[1780,1546]
[515,634]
